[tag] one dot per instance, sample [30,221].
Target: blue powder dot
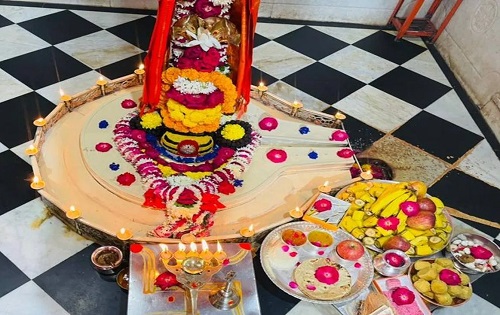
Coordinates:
[313,155]
[114,166]
[103,124]
[304,130]
[238,183]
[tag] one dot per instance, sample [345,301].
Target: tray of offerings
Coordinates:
[302,260]
[396,215]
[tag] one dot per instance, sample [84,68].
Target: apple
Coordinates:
[426,204]
[424,220]
[350,250]
[397,242]
[419,188]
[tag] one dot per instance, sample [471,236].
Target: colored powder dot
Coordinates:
[357,265]
[313,155]
[103,124]
[171,299]
[293,285]
[114,166]
[304,130]
[238,183]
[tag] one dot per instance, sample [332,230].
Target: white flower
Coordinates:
[186,86]
[221,2]
[204,39]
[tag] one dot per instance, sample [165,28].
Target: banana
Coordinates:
[393,207]
[386,199]
[392,188]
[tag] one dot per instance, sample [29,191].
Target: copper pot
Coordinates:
[107,260]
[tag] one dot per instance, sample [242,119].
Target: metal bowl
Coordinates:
[107,260]
[384,268]
[477,239]
[456,301]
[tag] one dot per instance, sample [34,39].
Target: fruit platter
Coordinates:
[439,282]
[388,215]
[316,265]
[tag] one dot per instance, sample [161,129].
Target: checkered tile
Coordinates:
[398,96]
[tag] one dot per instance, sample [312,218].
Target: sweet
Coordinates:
[439,284]
[294,237]
[283,257]
[322,279]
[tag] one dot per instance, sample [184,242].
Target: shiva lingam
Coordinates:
[193,273]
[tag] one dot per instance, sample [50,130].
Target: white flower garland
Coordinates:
[186,86]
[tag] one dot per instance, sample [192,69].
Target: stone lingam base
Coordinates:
[76,177]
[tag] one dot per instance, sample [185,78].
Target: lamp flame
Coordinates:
[122,230]
[192,246]
[164,247]
[204,245]
[141,67]
[182,247]
[219,247]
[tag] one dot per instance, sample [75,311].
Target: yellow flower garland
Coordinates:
[182,119]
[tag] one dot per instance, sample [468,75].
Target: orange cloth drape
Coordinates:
[155,59]
[160,42]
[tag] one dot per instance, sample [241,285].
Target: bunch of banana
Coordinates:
[375,201]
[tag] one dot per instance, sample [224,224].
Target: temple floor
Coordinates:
[402,102]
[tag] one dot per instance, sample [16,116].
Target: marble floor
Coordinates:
[403,105]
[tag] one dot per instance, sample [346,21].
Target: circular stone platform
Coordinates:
[77,174]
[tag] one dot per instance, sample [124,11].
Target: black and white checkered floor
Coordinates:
[399,97]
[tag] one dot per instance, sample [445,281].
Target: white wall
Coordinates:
[471,47]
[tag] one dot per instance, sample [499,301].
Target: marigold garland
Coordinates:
[182,119]
[221,81]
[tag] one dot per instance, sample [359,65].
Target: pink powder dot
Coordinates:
[310,287]
[293,285]
[285,248]
[321,252]
[357,265]
[293,254]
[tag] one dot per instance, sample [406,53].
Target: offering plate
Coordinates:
[361,271]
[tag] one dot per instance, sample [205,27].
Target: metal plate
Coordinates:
[361,276]
[172,302]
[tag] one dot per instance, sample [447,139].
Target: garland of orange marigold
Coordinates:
[221,81]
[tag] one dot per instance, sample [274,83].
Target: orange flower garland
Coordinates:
[221,81]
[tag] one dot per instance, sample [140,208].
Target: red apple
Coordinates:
[350,250]
[424,220]
[426,204]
